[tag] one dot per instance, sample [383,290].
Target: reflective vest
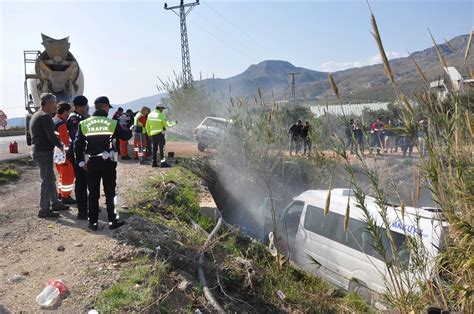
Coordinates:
[140,121]
[97,125]
[157,123]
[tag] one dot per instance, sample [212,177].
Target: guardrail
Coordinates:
[4,133]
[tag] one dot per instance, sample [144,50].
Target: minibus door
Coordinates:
[310,248]
[290,225]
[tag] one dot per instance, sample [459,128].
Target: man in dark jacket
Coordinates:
[118,114]
[44,140]
[295,133]
[96,154]
[81,112]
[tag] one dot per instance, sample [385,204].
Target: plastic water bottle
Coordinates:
[51,293]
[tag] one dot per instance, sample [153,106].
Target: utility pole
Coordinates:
[293,83]
[184,10]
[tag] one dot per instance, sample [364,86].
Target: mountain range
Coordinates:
[362,84]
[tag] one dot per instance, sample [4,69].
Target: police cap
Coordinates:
[102,100]
[80,101]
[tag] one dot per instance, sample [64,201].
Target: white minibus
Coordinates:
[319,244]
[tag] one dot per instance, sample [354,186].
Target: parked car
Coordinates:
[210,131]
[319,244]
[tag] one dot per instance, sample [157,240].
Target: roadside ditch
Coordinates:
[241,273]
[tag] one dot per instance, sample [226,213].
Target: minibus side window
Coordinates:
[357,236]
[293,215]
[354,237]
[316,222]
[400,243]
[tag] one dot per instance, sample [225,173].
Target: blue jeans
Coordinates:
[295,144]
[48,191]
[306,145]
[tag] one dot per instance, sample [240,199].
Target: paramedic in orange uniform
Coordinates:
[65,170]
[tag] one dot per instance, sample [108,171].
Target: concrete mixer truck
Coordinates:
[54,70]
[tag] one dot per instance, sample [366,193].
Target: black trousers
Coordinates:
[158,141]
[80,188]
[97,169]
[148,144]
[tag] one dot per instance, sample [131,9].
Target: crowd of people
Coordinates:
[383,135]
[85,150]
[386,136]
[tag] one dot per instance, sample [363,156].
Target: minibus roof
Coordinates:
[218,119]
[421,221]
[340,195]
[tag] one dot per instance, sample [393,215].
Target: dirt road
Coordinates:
[31,250]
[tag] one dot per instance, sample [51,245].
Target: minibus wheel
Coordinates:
[361,289]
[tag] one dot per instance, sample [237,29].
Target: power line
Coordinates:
[240,31]
[184,10]
[239,42]
[226,43]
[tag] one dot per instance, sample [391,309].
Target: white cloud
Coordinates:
[333,66]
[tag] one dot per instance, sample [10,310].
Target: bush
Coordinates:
[8,174]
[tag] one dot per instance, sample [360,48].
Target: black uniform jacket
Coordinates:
[94,145]
[72,125]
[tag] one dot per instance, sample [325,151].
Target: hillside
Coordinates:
[16,122]
[367,83]
[270,75]
[362,84]
[137,104]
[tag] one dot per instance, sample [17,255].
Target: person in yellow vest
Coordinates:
[155,127]
[140,140]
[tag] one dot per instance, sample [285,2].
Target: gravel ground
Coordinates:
[29,246]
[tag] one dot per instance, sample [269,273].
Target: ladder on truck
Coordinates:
[30,57]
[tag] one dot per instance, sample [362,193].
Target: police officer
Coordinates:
[81,112]
[156,125]
[96,154]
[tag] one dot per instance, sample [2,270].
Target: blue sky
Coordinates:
[123,45]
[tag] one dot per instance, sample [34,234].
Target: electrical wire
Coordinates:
[247,45]
[225,43]
[240,31]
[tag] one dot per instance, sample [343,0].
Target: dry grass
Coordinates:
[447,171]
[442,61]
[383,55]
[420,72]
[468,47]
[334,86]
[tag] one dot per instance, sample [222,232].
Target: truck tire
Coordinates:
[201,146]
[27,129]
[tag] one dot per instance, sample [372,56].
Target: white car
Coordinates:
[210,131]
[319,243]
